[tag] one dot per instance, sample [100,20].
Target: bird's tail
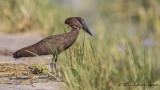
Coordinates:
[15,54]
[24,52]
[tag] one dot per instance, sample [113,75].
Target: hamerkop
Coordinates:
[55,44]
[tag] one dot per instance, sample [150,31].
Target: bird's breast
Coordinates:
[68,40]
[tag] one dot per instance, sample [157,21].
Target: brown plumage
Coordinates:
[57,43]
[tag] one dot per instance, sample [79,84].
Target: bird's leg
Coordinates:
[55,68]
[55,63]
[51,64]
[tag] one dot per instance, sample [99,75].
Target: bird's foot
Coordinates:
[54,70]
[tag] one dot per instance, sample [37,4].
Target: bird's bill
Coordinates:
[84,26]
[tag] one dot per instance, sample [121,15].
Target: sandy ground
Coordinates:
[10,44]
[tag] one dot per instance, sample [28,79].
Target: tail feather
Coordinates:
[23,53]
[15,54]
[39,48]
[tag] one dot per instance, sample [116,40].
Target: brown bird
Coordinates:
[55,44]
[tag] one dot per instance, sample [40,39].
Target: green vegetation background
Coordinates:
[125,46]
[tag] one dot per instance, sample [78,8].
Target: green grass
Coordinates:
[116,54]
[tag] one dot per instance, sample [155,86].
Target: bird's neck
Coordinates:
[71,37]
[74,33]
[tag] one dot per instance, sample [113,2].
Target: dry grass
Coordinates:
[25,74]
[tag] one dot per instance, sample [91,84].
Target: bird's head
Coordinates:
[77,22]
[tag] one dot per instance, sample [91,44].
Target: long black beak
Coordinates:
[84,26]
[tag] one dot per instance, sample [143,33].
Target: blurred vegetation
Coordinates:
[125,46]
[39,16]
